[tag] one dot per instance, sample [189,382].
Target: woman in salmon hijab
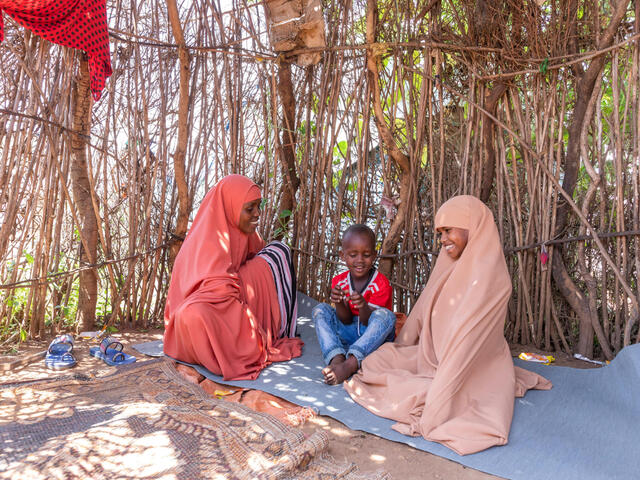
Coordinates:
[231,305]
[449,375]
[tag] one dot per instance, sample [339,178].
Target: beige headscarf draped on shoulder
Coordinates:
[449,375]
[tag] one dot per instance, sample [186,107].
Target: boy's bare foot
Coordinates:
[339,371]
[329,376]
[328,370]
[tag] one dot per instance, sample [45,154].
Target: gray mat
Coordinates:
[152,349]
[586,427]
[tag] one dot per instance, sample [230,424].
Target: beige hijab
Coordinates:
[449,375]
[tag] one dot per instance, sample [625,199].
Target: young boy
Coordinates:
[362,319]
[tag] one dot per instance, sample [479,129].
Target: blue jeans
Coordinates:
[355,339]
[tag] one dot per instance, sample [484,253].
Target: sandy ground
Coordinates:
[369,452]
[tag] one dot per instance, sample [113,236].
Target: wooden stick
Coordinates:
[14,365]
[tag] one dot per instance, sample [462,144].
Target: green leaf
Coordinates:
[260,149]
[29,257]
[285,213]
[425,157]
[111,329]
[23,335]
[544,66]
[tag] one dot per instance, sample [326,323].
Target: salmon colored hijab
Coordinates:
[222,307]
[213,275]
[449,375]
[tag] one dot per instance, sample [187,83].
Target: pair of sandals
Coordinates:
[59,354]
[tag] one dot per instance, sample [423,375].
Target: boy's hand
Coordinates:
[357,300]
[337,295]
[339,298]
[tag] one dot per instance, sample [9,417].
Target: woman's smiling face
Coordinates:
[454,240]
[249,216]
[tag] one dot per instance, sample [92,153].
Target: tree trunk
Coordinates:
[489,167]
[394,235]
[287,149]
[184,202]
[88,227]
[585,83]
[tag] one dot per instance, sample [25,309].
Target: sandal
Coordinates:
[59,354]
[110,351]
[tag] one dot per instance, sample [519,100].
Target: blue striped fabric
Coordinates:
[278,256]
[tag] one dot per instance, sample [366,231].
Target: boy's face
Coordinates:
[358,253]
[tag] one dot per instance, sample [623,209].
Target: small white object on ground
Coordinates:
[586,359]
[89,334]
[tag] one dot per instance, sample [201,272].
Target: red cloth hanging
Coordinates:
[78,24]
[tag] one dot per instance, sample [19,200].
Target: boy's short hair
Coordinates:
[360,229]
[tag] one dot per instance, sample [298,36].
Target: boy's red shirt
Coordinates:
[377,293]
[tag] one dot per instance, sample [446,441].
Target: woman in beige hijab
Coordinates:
[449,375]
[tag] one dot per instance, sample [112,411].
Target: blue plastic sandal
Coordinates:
[61,344]
[60,362]
[110,351]
[59,354]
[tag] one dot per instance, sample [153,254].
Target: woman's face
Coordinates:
[249,216]
[454,240]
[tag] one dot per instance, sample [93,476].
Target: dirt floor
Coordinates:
[369,452]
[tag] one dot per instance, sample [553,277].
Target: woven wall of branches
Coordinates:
[533,106]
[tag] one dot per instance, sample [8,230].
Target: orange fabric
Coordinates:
[449,376]
[264,402]
[222,308]
[401,318]
[257,400]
